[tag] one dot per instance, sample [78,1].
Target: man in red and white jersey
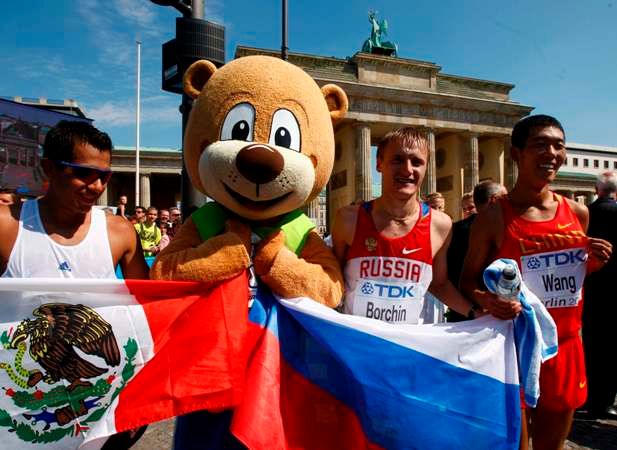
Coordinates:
[545,234]
[393,249]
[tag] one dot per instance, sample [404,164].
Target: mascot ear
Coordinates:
[196,77]
[336,100]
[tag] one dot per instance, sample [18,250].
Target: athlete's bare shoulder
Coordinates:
[9,218]
[120,231]
[488,225]
[580,211]
[442,223]
[345,223]
[488,218]
[343,231]
[9,227]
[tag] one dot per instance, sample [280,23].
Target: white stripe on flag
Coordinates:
[475,345]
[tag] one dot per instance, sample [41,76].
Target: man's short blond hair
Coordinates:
[434,196]
[405,137]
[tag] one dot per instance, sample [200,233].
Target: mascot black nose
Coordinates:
[259,163]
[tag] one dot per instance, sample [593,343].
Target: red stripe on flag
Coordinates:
[257,420]
[283,410]
[198,334]
[315,419]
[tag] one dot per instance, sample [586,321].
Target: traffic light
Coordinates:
[195,39]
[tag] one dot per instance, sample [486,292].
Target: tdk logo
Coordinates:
[533,263]
[64,266]
[388,290]
[565,258]
[367,288]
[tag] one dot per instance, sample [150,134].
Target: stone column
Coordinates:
[510,169]
[364,182]
[591,196]
[312,210]
[430,179]
[103,199]
[144,190]
[472,170]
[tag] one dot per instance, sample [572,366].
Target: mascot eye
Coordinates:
[240,131]
[239,122]
[285,131]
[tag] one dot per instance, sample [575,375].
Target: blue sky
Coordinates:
[560,54]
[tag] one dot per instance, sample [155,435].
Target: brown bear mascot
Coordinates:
[260,143]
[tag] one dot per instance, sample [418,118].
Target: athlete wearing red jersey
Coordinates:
[394,248]
[545,234]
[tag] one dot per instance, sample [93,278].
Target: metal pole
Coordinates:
[197,9]
[137,118]
[191,197]
[284,46]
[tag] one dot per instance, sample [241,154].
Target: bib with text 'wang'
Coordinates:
[552,256]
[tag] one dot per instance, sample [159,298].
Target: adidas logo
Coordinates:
[64,266]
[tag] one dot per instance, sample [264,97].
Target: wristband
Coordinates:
[475,308]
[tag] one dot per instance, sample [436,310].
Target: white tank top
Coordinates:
[36,255]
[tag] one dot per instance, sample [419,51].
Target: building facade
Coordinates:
[577,177]
[159,177]
[468,122]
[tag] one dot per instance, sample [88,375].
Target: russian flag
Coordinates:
[319,380]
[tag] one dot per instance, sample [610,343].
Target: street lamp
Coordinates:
[195,39]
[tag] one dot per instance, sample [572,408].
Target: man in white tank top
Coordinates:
[61,235]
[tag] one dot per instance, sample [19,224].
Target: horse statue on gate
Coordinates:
[374,44]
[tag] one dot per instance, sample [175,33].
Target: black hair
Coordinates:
[61,140]
[520,132]
[140,207]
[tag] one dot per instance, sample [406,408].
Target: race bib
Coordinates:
[393,302]
[556,278]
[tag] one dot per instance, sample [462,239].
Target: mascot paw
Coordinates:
[267,250]
[241,230]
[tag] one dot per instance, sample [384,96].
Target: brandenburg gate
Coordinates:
[468,122]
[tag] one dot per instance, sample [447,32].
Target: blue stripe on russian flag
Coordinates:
[403,398]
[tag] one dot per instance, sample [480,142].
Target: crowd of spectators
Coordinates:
[155,227]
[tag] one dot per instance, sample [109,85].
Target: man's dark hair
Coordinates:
[522,129]
[140,207]
[61,140]
[482,192]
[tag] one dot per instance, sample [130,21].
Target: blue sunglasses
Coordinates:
[87,174]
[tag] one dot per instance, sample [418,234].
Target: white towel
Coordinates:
[535,332]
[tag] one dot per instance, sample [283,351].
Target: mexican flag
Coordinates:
[83,359]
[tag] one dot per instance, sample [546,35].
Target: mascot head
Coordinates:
[259,139]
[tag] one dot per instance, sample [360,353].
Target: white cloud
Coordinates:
[115,27]
[140,12]
[112,113]
[214,11]
[158,109]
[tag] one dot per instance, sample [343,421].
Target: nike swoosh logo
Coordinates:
[581,384]
[563,227]
[413,250]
